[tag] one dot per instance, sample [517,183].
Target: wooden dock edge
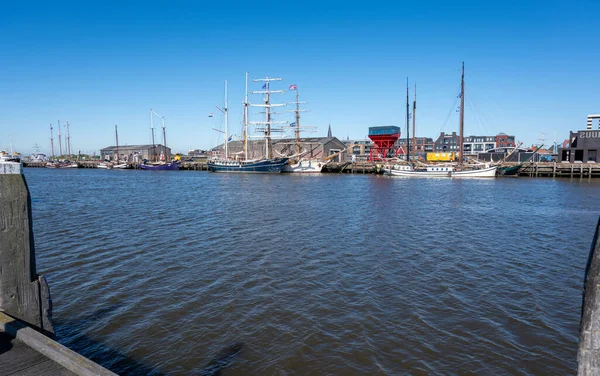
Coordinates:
[51,349]
[588,357]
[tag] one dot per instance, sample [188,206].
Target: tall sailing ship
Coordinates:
[266,164]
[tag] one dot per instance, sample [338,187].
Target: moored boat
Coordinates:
[274,165]
[268,164]
[171,166]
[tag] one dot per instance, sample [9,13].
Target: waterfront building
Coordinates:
[315,148]
[136,153]
[359,150]
[504,140]
[582,146]
[446,143]
[472,145]
[423,145]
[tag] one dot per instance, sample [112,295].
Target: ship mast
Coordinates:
[267,100]
[165,140]
[297,122]
[52,141]
[414,131]
[153,144]
[68,141]
[462,116]
[226,122]
[267,105]
[407,124]
[117,141]
[246,121]
[59,141]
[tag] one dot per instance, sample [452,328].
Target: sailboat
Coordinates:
[302,161]
[162,165]
[262,165]
[118,164]
[460,171]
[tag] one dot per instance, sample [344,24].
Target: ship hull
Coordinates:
[268,166]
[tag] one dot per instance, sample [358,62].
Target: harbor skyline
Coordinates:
[529,68]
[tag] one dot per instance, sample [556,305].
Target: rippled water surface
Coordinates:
[177,273]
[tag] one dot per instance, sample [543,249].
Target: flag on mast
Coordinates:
[294,87]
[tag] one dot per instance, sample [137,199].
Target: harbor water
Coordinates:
[179,273]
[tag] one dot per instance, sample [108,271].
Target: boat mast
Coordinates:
[59,141]
[268,122]
[414,132]
[153,144]
[267,105]
[226,122]
[462,115]
[165,140]
[117,141]
[68,140]
[297,122]
[52,140]
[246,121]
[407,124]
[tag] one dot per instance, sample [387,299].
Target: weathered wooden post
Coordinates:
[589,327]
[23,293]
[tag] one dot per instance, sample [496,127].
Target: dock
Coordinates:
[27,345]
[18,358]
[530,169]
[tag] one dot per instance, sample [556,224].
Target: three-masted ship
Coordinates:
[265,164]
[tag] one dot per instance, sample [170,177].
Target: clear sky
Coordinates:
[530,67]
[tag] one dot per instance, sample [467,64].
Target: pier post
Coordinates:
[572,166]
[23,293]
[589,326]
[553,169]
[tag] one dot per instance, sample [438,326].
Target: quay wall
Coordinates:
[530,169]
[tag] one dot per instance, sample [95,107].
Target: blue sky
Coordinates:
[531,67]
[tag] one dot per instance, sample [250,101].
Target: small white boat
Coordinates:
[428,172]
[441,172]
[305,166]
[486,172]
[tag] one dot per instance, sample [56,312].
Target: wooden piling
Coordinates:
[23,293]
[588,357]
